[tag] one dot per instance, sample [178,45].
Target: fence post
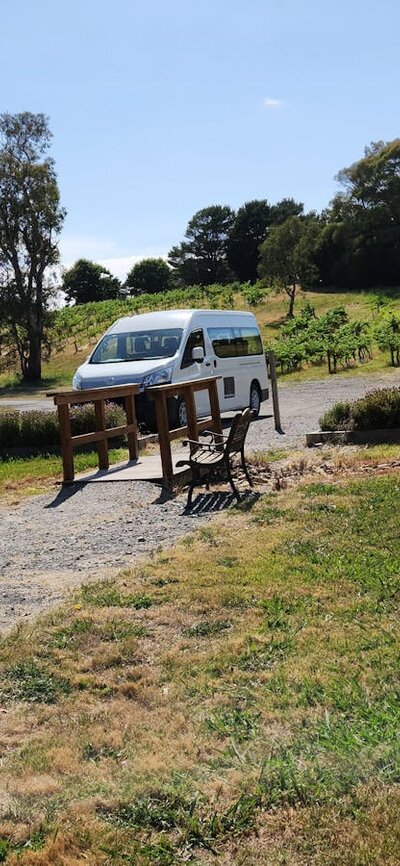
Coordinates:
[191,415]
[163,438]
[130,412]
[102,444]
[214,406]
[64,421]
[274,389]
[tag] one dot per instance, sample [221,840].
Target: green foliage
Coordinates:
[85,323]
[387,335]
[308,338]
[30,223]
[202,256]
[149,277]
[245,238]
[379,409]
[40,429]
[29,682]
[87,281]
[336,418]
[287,256]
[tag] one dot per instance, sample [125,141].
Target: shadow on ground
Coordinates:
[209,503]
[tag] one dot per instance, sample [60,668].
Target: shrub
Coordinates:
[9,429]
[38,429]
[378,409]
[336,418]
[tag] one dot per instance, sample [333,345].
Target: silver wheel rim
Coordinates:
[255,400]
[182,415]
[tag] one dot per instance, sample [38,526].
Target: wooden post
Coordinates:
[102,445]
[163,437]
[131,419]
[274,389]
[64,421]
[214,406]
[191,415]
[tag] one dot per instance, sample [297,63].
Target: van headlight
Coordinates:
[160,377]
[77,382]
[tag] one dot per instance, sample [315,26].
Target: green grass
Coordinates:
[26,476]
[251,716]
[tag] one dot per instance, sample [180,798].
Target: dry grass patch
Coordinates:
[244,681]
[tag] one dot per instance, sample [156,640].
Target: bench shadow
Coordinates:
[212,503]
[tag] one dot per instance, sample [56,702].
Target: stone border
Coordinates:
[378,436]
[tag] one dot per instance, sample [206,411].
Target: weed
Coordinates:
[260,656]
[277,611]
[207,628]
[207,534]
[237,723]
[105,594]
[70,635]
[28,682]
[97,753]
[119,629]
[228,561]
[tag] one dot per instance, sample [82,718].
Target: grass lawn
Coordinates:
[27,476]
[234,700]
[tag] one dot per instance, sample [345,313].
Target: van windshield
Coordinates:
[137,346]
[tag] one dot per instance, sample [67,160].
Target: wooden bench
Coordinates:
[217,453]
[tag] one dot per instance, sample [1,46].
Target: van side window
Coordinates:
[235,342]
[196,338]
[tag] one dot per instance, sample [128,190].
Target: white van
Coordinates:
[178,345]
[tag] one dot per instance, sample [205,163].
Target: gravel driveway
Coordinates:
[302,405]
[53,542]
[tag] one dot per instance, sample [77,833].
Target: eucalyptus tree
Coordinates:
[31,219]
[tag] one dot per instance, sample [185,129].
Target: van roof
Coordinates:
[168,318]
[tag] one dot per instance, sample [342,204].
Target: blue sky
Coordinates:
[161,108]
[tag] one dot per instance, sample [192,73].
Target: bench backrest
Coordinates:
[238,432]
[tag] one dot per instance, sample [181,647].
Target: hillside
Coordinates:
[75,330]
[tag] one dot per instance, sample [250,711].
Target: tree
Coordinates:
[87,281]
[361,242]
[284,209]
[150,276]
[246,236]
[31,219]
[203,254]
[287,256]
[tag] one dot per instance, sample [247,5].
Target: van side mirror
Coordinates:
[198,354]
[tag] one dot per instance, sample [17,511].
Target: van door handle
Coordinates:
[215,363]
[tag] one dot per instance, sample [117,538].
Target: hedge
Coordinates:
[38,429]
[379,409]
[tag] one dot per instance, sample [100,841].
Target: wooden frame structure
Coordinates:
[99,396]
[63,400]
[160,394]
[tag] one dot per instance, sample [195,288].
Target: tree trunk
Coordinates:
[31,365]
[292,294]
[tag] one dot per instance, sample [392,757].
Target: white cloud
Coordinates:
[105,252]
[272,103]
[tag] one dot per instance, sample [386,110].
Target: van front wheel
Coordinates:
[255,399]
[177,414]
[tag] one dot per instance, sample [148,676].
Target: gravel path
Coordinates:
[54,542]
[302,405]
[51,543]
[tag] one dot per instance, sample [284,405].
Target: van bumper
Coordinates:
[264,394]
